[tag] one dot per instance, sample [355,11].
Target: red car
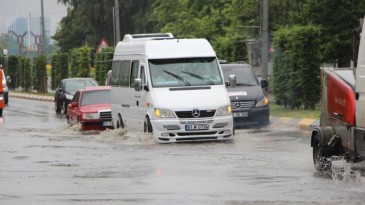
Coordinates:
[91,108]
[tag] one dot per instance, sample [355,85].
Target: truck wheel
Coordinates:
[321,163]
[147,125]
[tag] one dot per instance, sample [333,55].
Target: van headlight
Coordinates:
[90,116]
[225,110]
[164,113]
[263,102]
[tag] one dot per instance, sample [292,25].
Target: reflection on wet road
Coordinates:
[44,161]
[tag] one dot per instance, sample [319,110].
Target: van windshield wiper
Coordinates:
[177,77]
[245,84]
[199,77]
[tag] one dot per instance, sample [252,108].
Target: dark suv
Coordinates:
[249,104]
[67,89]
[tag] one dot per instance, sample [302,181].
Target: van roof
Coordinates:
[148,36]
[166,48]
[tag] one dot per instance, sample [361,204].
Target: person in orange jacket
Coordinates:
[2,100]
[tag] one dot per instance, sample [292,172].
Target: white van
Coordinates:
[173,88]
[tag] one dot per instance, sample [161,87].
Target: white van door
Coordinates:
[141,97]
[360,82]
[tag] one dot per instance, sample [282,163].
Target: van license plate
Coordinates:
[108,124]
[197,127]
[240,114]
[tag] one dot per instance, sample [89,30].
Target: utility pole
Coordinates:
[115,42]
[43,51]
[117,26]
[265,40]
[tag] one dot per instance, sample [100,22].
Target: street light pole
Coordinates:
[265,39]
[43,51]
[117,24]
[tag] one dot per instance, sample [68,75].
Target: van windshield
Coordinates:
[185,72]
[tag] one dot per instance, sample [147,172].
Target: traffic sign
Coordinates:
[103,44]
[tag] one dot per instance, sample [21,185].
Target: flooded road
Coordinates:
[44,161]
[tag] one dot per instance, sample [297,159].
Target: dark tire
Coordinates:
[147,126]
[6,98]
[234,129]
[57,107]
[120,123]
[1,112]
[65,108]
[68,120]
[321,163]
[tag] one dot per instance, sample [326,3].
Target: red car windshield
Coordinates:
[95,97]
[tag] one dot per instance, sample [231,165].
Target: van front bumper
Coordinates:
[192,129]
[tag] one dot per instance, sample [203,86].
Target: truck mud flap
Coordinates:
[360,141]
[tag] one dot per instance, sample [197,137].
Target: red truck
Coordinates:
[2,100]
[342,123]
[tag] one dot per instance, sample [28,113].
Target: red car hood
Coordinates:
[95,108]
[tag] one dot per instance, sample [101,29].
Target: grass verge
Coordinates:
[33,93]
[280,111]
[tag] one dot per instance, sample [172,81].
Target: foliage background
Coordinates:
[228,24]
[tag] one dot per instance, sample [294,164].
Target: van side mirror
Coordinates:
[232,80]
[264,83]
[138,84]
[228,83]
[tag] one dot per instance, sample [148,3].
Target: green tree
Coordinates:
[298,65]
[80,61]
[3,41]
[90,21]
[59,68]
[337,19]
[13,70]
[40,83]
[103,63]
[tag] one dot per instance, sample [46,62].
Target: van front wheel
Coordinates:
[120,123]
[147,125]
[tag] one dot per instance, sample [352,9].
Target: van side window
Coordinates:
[124,75]
[116,70]
[143,76]
[134,72]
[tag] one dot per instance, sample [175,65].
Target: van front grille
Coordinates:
[246,105]
[189,114]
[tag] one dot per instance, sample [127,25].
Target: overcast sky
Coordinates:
[12,9]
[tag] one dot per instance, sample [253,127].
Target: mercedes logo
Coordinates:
[195,112]
[236,104]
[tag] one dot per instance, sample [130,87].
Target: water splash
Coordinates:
[343,171]
[125,136]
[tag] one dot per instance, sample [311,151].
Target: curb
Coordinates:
[31,96]
[302,123]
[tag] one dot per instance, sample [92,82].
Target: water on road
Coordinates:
[44,161]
